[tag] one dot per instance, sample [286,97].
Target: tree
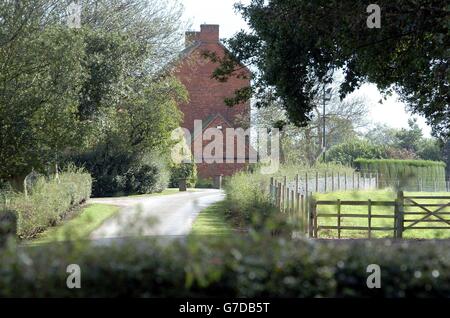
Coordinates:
[347,152]
[304,144]
[41,74]
[295,43]
[65,91]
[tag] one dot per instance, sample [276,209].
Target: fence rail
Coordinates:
[301,207]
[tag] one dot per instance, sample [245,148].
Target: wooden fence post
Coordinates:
[279,196]
[369,212]
[399,215]
[332,181]
[306,183]
[312,213]
[317,181]
[339,217]
[271,191]
[303,219]
[292,209]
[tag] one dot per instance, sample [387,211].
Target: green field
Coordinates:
[80,227]
[212,221]
[382,195]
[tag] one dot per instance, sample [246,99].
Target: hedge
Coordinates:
[49,200]
[235,267]
[413,174]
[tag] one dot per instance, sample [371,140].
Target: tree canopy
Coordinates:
[294,44]
[64,90]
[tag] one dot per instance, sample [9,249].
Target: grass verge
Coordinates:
[212,221]
[381,195]
[80,227]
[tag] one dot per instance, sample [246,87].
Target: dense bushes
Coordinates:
[48,202]
[347,152]
[403,170]
[117,172]
[247,197]
[186,171]
[235,267]
[247,193]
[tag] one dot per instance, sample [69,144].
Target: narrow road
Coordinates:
[165,215]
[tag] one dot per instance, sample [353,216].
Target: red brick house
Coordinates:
[207,96]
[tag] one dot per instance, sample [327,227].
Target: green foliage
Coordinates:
[38,97]
[248,198]
[404,171]
[118,172]
[236,267]
[67,91]
[346,153]
[295,44]
[203,183]
[49,201]
[186,171]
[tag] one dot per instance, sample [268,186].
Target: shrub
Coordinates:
[149,175]
[117,172]
[235,267]
[186,171]
[204,183]
[247,198]
[347,152]
[50,199]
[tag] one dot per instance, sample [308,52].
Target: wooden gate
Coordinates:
[409,213]
[430,210]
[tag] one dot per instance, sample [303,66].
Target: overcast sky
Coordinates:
[221,12]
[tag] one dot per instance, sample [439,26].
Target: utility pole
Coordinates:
[326,97]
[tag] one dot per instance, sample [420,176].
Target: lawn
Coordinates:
[212,221]
[381,195]
[80,227]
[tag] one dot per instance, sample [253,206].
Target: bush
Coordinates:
[149,175]
[50,199]
[235,267]
[408,172]
[186,171]
[205,183]
[117,172]
[247,197]
[347,152]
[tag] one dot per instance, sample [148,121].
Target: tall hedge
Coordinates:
[233,267]
[50,199]
[411,174]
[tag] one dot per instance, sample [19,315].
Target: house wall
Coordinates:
[207,95]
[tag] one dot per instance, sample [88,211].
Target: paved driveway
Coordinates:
[166,215]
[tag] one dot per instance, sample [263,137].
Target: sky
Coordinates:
[392,112]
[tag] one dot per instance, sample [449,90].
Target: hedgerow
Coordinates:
[406,171]
[47,203]
[235,267]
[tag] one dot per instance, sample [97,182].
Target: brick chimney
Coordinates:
[209,33]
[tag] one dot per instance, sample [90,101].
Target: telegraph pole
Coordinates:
[326,97]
